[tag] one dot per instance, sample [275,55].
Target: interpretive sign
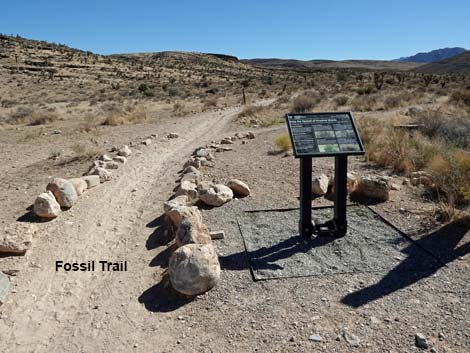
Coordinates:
[324,134]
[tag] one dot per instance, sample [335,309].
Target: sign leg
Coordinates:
[341,194]
[306,227]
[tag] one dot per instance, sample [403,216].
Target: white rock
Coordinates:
[104,174]
[194,269]
[178,213]
[374,187]
[320,184]
[147,142]
[187,188]
[17,238]
[91,180]
[46,206]
[120,159]
[214,195]
[80,185]
[125,151]
[178,201]
[239,188]
[105,158]
[63,191]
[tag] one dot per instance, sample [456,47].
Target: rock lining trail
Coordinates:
[99,312]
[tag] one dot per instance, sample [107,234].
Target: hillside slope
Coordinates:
[432,56]
[456,64]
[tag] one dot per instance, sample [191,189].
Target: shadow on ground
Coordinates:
[161,297]
[266,257]
[442,243]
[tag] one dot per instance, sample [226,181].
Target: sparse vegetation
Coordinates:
[283,142]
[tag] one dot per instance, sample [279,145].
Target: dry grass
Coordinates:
[283,142]
[305,102]
[130,113]
[86,152]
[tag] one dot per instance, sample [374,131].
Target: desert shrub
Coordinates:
[365,102]
[173,92]
[461,97]
[305,102]
[341,100]
[42,118]
[90,122]
[283,142]
[178,107]
[85,152]
[393,101]
[20,115]
[365,90]
[451,126]
[131,113]
[450,171]
[210,102]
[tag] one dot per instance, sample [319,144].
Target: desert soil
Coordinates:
[136,311]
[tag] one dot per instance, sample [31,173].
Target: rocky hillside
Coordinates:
[309,65]
[456,64]
[432,56]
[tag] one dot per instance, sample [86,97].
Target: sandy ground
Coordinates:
[134,311]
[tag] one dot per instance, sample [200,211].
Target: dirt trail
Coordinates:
[99,311]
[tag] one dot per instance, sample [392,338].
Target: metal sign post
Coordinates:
[323,135]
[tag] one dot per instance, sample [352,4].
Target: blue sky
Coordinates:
[301,29]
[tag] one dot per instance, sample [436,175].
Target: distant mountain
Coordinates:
[309,65]
[455,64]
[432,56]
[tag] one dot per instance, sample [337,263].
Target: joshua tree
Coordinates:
[379,78]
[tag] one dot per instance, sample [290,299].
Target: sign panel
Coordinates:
[324,134]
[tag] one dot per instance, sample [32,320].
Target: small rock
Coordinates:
[239,188]
[147,142]
[104,174]
[46,206]
[226,141]
[315,338]
[120,159]
[320,184]
[125,151]
[91,180]
[395,187]
[374,187]
[63,191]
[217,235]
[17,238]
[105,158]
[80,185]
[420,341]
[173,135]
[250,135]
[353,340]
[194,269]
[4,287]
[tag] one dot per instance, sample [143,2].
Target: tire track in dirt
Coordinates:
[49,308]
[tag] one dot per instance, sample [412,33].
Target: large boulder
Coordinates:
[320,184]
[374,187]
[214,195]
[194,269]
[4,287]
[63,191]
[80,185]
[17,238]
[239,188]
[46,206]
[191,232]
